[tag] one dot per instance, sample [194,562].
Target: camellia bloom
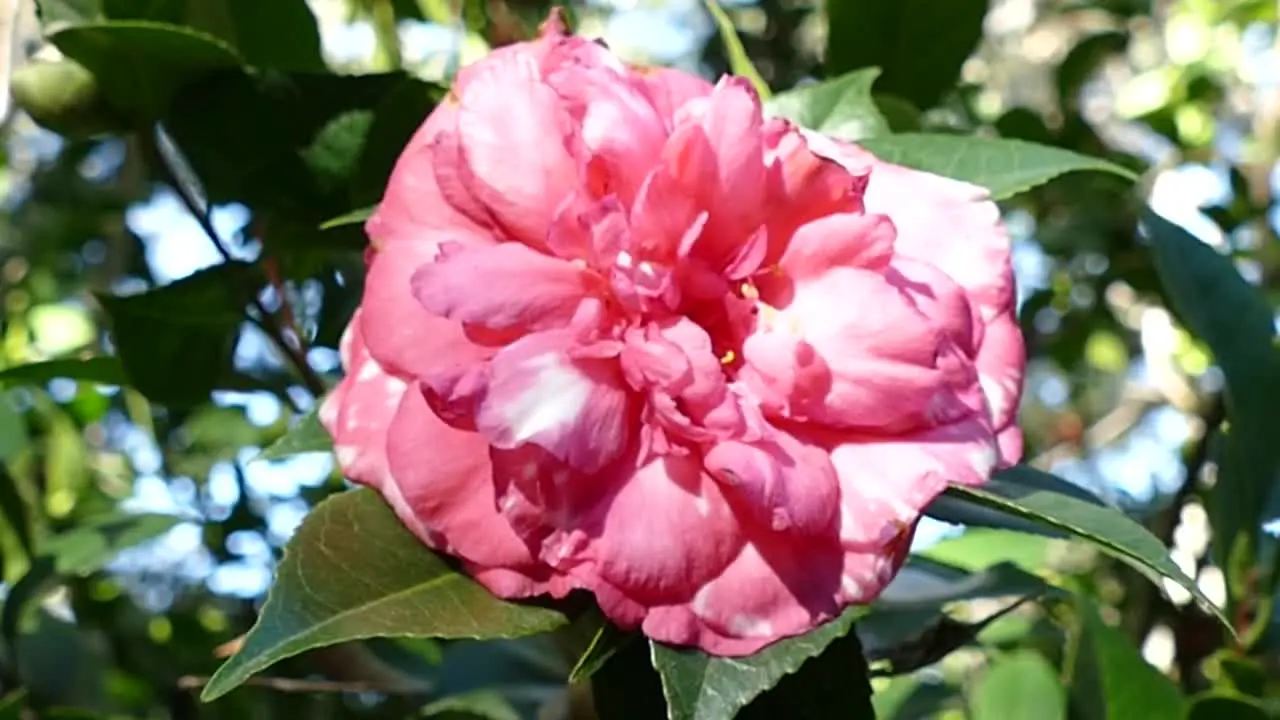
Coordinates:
[621,333]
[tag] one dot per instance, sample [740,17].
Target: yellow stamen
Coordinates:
[728,358]
[749,291]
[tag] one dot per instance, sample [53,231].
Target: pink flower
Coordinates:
[620,333]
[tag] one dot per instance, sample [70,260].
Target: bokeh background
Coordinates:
[1118,395]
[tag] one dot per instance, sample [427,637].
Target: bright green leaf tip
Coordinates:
[739,62]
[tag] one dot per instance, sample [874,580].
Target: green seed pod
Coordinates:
[64,97]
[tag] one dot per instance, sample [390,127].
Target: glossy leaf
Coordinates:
[1109,529]
[176,342]
[698,686]
[353,571]
[104,370]
[1005,167]
[954,507]
[140,66]
[1112,679]
[841,107]
[920,44]
[1221,706]
[1019,686]
[1234,319]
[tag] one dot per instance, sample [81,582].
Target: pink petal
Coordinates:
[886,359]
[413,204]
[850,239]
[670,90]
[445,478]
[402,335]
[777,587]
[513,131]
[619,125]
[357,413]
[638,538]
[503,287]
[961,233]
[578,409]
[1001,364]
[885,483]
[785,486]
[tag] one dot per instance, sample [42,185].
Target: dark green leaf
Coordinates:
[479,705]
[956,508]
[396,118]
[905,639]
[925,583]
[104,370]
[1236,322]
[834,684]
[911,697]
[1019,686]
[1005,167]
[841,107]
[1221,706]
[353,571]
[140,66]
[1105,527]
[1112,679]
[919,44]
[297,148]
[177,341]
[280,34]
[308,435]
[608,640]
[699,686]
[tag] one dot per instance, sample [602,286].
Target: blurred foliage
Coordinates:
[138,524]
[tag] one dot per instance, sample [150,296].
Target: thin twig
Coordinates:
[298,685]
[264,319]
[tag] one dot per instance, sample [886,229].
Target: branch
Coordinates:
[298,685]
[264,319]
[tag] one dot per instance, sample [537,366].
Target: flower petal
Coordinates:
[513,131]
[503,287]
[578,409]
[402,335]
[445,478]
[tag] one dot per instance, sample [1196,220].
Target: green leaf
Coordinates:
[1223,706]
[608,640]
[920,44]
[296,147]
[1019,686]
[1005,167]
[1233,318]
[699,686]
[140,66]
[739,62]
[841,107]
[353,571]
[63,96]
[957,509]
[177,341]
[926,583]
[308,435]
[1112,679]
[281,34]
[355,217]
[89,546]
[1111,530]
[80,551]
[103,370]
[978,548]
[836,683]
[478,705]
